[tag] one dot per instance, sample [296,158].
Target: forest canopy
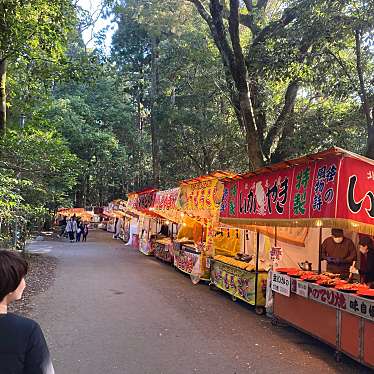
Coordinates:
[187,87]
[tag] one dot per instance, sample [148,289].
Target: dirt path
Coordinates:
[113,310]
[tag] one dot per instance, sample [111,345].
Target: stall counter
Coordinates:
[164,250]
[240,283]
[188,259]
[342,320]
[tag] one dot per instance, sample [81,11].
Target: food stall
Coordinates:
[189,250]
[198,201]
[141,204]
[133,223]
[240,271]
[330,189]
[165,206]
[129,219]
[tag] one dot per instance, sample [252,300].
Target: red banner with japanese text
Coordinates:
[165,204]
[307,191]
[166,200]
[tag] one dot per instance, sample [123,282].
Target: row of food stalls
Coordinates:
[257,236]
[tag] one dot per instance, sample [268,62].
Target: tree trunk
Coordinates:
[86,195]
[155,88]
[370,141]
[368,112]
[255,156]
[3,70]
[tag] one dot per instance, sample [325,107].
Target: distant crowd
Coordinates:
[73,228]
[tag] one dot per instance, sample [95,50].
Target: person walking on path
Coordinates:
[79,231]
[23,349]
[74,226]
[85,232]
[62,224]
[69,230]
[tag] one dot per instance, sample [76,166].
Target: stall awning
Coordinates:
[165,205]
[71,211]
[201,197]
[142,203]
[334,188]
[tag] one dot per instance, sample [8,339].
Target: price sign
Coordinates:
[276,254]
[281,284]
[302,288]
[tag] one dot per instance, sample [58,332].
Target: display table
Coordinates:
[240,283]
[187,258]
[164,250]
[342,320]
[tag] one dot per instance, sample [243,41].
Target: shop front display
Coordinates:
[191,260]
[199,202]
[240,283]
[164,250]
[141,204]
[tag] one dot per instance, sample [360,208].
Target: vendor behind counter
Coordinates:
[366,248]
[339,252]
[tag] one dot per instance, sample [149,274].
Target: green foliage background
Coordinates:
[88,111]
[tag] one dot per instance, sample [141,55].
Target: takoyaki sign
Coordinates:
[326,190]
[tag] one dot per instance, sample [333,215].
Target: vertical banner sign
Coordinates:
[281,284]
[324,189]
[356,182]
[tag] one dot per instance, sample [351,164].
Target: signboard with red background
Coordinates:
[334,187]
[307,191]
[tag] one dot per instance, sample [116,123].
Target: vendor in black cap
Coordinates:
[339,252]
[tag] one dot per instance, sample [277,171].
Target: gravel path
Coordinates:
[40,277]
[113,310]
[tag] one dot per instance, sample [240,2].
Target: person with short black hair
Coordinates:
[366,248]
[339,252]
[85,232]
[23,349]
[69,230]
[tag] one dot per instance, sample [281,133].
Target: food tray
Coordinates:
[366,293]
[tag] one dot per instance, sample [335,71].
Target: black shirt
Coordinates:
[367,271]
[23,349]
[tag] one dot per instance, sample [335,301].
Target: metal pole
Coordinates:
[275,236]
[244,240]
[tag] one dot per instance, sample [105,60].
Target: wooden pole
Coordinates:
[319,250]
[257,259]
[275,236]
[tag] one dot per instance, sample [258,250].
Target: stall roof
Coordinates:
[334,151]
[219,174]
[136,203]
[144,191]
[333,188]
[165,204]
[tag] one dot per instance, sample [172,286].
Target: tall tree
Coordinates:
[34,30]
[298,27]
